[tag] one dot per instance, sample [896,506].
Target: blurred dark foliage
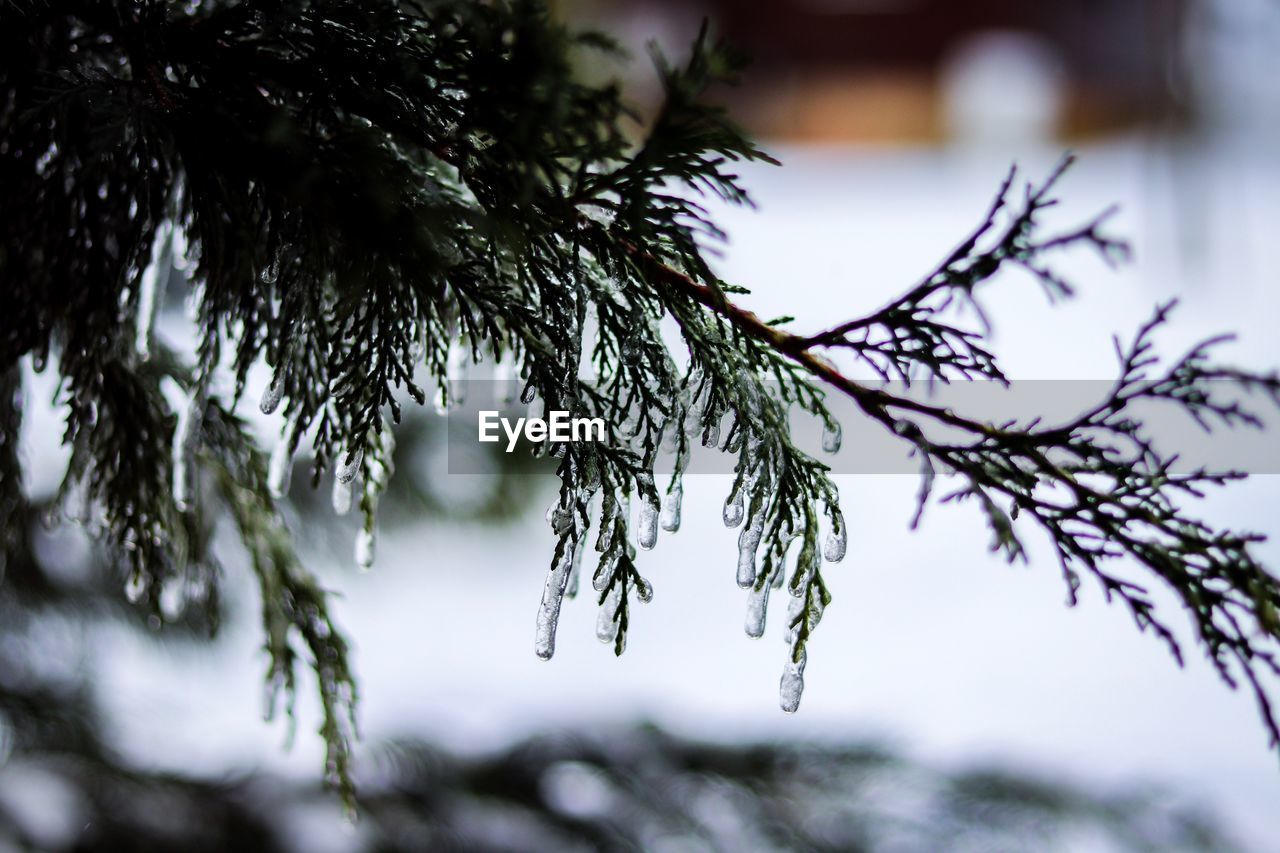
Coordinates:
[64,785]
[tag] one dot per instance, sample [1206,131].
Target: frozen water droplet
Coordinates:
[366,545]
[559,519]
[792,685]
[341,496]
[671,509]
[748,544]
[135,587]
[606,623]
[173,600]
[757,609]
[350,465]
[280,471]
[527,395]
[575,571]
[604,571]
[837,541]
[459,360]
[180,249]
[647,528]
[711,435]
[733,510]
[832,435]
[544,643]
[504,377]
[183,451]
[38,360]
[605,539]
[151,287]
[271,395]
[644,590]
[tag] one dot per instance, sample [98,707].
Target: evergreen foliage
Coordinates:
[367,195]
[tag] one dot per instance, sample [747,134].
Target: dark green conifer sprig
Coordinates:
[368,195]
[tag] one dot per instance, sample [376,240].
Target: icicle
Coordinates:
[711,434]
[605,539]
[459,360]
[792,684]
[151,288]
[135,587]
[281,468]
[575,570]
[504,378]
[341,496]
[350,464]
[366,543]
[544,644]
[837,541]
[184,446]
[559,519]
[748,544]
[272,395]
[606,623]
[795,609]
[832,435]
[644,590]
[757,608]
[604,572]
[671,508]
[179,249]
[733,509]
[647,528]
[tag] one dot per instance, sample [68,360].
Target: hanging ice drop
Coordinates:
[792,684]
[271,395]
[644,590]
[832,434]
[560,519]
[151,288]
[711,434]
[350,464]
[757,608]
[748,544]
[135,587]
[671,508]
[733,510]
[182,451]
[647,528]
[504,378]
[365,547]
[341,496]
[575,570]
[544,642]
[280,470]
[837,541]
[606,621]
[459,360]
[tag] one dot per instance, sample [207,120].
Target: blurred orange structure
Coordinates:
[882,70]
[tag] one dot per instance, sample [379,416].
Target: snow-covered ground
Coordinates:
[931,642]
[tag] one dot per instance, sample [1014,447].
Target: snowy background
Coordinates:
[931,643]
